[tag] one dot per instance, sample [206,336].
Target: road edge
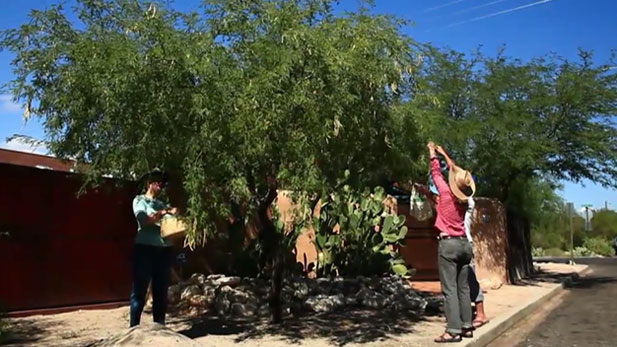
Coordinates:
[499,325]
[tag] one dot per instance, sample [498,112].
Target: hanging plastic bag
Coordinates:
[419,206]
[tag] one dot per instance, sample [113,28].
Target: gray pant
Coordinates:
[454,258]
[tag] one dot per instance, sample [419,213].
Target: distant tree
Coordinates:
[512,122]
[604,224]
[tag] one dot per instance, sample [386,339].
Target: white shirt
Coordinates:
[468,217]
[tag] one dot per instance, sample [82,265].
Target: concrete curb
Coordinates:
[499,325]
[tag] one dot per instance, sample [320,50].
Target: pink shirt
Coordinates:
[450,214]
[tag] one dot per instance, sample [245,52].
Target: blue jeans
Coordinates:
[150,263]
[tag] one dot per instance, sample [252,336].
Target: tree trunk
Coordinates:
[273,258]
[520,261]
[276,286]
[273,254]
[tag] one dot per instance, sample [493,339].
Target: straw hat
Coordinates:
[461,183]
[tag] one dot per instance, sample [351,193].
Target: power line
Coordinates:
[431,9]
[498,13]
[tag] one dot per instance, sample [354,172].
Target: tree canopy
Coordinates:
[509,120]
[238,99]
[245,97]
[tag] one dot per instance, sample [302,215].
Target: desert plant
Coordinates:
[358,234]
[583,252]
[538,252]
[554,252]
[599,246]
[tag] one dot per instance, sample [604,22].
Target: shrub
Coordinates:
[538,252]
[554,252]
[583,252]
[599,246]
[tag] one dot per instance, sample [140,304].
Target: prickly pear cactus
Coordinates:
[356,234]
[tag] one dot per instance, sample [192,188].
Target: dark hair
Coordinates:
[155,175]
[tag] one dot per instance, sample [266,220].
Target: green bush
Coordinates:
[554,252]
[599,246]
[583,252]
[538,252]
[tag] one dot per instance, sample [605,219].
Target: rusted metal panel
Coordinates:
[57,249]
[8,156]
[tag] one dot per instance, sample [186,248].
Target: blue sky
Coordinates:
[527,28]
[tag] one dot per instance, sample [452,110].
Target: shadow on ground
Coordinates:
[543,277]
[570,280]
[591,282]
[26,331]
[340,328]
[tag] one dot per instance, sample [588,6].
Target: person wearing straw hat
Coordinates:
[152,258]
[455,251]
[476,294]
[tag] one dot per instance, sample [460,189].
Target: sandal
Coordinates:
[451,338]
[468,333]
[479,323]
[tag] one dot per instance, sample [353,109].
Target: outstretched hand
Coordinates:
[440,150]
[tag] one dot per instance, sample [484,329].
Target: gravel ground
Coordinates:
[349,328]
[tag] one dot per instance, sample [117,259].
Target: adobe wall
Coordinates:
[420,250]
[488,230]
[490,236]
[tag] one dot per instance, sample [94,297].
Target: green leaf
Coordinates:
[321,240]
[354,221]
[402,233]
[377,239]
[279,225]
[390,238]
[400,270]
[388,225]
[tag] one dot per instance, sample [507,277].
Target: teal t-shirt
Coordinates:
[148,234]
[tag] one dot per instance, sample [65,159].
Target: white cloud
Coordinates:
[7,104]
[19,146]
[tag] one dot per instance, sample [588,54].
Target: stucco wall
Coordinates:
[488,230]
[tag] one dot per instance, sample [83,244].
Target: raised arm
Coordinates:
[449,160]
[440,182]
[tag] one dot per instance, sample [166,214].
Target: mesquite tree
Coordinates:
[237,100]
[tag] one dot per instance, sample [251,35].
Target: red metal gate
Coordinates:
[59,250]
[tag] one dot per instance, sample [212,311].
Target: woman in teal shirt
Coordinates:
[153,254]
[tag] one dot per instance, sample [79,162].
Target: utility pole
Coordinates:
[587,221]
[571,215]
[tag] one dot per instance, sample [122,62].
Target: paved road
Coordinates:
[584,315]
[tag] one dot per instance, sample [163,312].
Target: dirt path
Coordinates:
[83,328]
[351,328]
